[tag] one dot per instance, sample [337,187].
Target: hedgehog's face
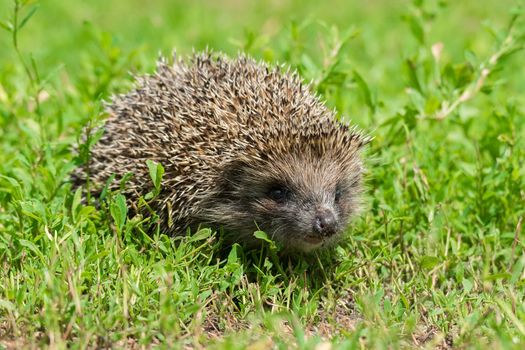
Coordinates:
[302,203]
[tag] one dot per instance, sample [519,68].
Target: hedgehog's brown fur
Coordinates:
[234,136]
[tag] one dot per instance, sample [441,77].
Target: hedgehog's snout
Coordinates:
[325,223]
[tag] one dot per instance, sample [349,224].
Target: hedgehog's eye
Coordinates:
[278,193]
[338,193]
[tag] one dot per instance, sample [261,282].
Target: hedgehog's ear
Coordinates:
[232,175]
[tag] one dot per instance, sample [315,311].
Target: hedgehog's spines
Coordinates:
[202,115]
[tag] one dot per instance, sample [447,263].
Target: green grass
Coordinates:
[436,260]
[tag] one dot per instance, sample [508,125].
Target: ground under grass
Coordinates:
[435,261]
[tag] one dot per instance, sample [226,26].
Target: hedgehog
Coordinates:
[245,147]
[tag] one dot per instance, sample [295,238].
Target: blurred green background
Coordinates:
[162,25]
[66,32]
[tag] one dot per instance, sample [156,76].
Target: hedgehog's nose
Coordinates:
[324,223]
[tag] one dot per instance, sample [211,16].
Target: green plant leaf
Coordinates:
[156,171]
[429,262]
[27,17]
[119,211]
